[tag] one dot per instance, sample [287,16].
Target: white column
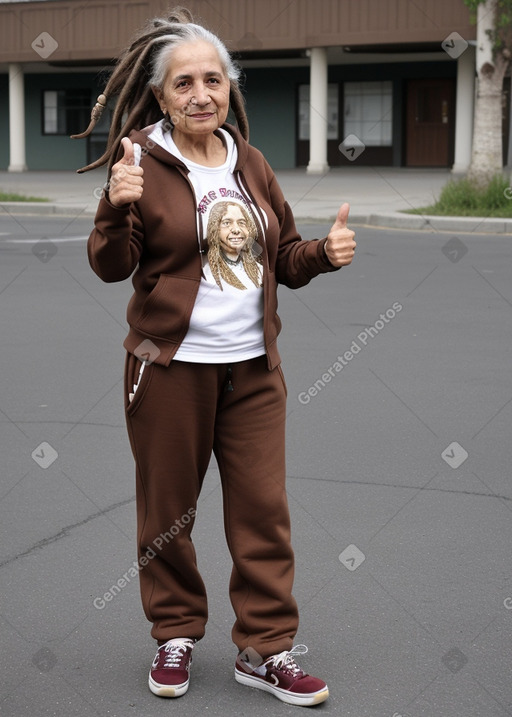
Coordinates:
[16,119]
[464,110]
[318,112]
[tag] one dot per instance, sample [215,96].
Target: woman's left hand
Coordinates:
[340,245]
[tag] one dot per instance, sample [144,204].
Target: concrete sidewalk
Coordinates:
[377,196]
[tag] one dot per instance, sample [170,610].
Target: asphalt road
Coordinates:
[399,454]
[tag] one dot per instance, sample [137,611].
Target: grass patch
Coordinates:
[463,199]
[13,197]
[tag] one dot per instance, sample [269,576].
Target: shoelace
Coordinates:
[286,661]
[175,652]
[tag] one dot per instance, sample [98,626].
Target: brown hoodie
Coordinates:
[156,237]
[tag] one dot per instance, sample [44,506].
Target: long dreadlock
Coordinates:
[142,66]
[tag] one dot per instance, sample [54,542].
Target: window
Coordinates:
[66,111]
[368,110]
[332,112]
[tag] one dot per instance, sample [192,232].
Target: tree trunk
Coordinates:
[487,153]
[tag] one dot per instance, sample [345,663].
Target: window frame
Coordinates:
[81,105]
[386,117]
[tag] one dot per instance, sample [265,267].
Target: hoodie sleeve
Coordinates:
[115,244]
[298,260]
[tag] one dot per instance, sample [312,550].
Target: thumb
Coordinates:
[342,217]
[128,155]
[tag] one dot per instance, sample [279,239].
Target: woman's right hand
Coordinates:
[126,180]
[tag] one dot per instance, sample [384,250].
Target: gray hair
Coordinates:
[180,34]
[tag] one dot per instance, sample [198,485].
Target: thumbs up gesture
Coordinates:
[340,244]
[126,182]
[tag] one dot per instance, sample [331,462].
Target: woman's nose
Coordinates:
[201,96]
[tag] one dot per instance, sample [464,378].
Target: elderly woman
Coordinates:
[202,371]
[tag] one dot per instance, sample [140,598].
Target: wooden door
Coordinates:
[430,123]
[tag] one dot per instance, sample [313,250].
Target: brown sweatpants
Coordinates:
[178,416]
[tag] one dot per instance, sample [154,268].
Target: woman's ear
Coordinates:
[159,98]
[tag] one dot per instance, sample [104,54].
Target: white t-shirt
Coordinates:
[226,324]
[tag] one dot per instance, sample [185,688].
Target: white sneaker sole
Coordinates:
[292,698]
[167,690]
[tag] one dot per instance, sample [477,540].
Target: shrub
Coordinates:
[464,198]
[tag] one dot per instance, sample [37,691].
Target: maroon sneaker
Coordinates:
[282,677]
[169,674]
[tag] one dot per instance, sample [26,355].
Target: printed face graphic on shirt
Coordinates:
[233,231]
[231,235]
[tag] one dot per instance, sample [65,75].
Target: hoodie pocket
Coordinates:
[166,311]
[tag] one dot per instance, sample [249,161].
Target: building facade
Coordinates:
[327,82]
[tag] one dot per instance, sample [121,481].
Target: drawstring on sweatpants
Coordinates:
[228,386]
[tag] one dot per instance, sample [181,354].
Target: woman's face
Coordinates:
[233,230]
[196,89]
